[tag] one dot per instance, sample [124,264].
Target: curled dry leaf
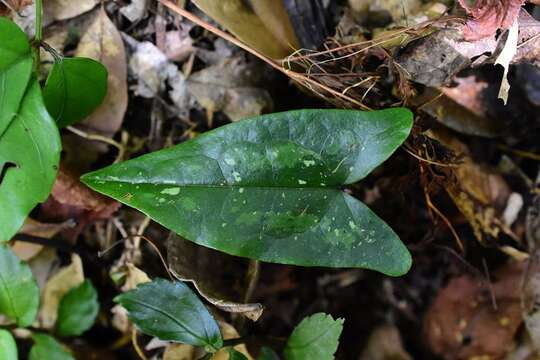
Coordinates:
[487,16]
[56,287]
[222,279]
[463,323]
[70,200]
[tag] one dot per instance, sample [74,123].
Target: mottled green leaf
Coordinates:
[15,70]
[47,348]
[171,311]
[269,188]
[316,337]
[8,347]
[236,355]
[267,354]
[74,89]
[19,292]
[77,310]
[30,149]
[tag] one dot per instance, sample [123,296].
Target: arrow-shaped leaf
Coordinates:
[268,188]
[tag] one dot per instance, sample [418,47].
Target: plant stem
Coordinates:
[38,36]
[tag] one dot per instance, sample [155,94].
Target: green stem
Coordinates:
[39,35]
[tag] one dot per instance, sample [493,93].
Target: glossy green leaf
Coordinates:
[8,347]
[74,89]
[15,70]
[47,348]
[30,150]
[19,292]
[268,188]
[267,354]
[77,310]
[171,311]
[236,355]
[316,337]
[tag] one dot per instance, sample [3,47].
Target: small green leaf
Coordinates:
[47,348]
[171,311]
[31,144]
[77,310]
[8,347]
[15,71]
[74,89]
[19,292]
[236,355]
[269,188]
[267,354]
[316,337]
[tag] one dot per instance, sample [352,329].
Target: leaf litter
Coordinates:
[465,302]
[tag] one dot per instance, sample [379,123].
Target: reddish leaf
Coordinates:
[488,16]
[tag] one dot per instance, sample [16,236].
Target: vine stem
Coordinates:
[39,35]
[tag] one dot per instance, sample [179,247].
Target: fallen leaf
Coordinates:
[134,277]
[463,323]
[67,9]
[385,343]
[488,16]
[25,250]
[231,86]
[263,25]
[210,271]
[103,42]
[71,200]
[479,192]
[179,352]
[56,287]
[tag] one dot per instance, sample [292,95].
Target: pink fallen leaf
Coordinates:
[487,16]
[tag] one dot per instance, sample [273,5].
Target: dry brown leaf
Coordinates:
[16,5]
[25,250]
[67,9]
[210,271]
[134,277]
[103,42]
[70,199]
[179,352]
[463,323]
[56,287]
[264,25]
[478,191]
[488,16]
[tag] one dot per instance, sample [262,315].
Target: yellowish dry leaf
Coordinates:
[56,287]
[134,277]
[505,57]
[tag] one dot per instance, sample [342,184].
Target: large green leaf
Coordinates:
[316,337]
[78,310]
[30,149]
[171,311]
[47,348]
[268,188]
[8,347]
[74,89]
[236,355]
[15,70]
[19,292]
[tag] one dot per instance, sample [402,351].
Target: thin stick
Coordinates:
[293,75]
[95,137]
